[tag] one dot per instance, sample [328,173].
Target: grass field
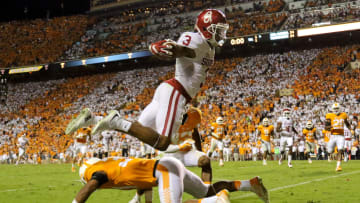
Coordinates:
[317,182]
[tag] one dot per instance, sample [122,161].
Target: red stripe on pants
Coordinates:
[168,112]
[175,109]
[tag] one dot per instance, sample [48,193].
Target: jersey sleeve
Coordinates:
[187,39]
[271,128]
[345,116]
[190,40]
[328,116]
[304,131]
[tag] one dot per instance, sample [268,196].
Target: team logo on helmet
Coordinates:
[208,17]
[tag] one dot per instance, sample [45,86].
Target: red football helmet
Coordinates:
[212,25]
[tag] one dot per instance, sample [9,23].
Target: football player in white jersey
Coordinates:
[81,139]
[227,149]
[106,137]
[23,142]
[348,143]
[194,53]
[286,129]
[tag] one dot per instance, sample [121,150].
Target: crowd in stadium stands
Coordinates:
[38,41]
[47,107]
[242,90]
[75,37]
[314,3]
[163,8]
[336,15]
[111,35]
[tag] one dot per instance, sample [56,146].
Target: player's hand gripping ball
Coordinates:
[163,49]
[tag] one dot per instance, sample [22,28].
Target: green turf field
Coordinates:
[317,182]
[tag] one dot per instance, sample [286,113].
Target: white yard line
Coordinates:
[297,184]
[22,189]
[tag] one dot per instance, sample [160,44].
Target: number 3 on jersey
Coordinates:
[187,40]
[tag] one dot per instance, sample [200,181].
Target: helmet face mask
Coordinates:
[335,108]
[309,125]
[218,32]
[266,122]
[286,114]
[212,26]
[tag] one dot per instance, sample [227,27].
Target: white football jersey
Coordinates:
[106,137]
[286,126]
[191,72]
[347,132]
[227,143]
[22,141]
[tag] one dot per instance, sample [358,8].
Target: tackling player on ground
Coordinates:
[168,173]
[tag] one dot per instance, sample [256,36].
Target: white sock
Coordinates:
[122,124]
[289,159]
[338,163]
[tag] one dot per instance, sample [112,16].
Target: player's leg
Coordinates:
[282,149]
[340,142]
[347,150]
[331,145]
[170,176]
[198,158]
[220,146]
[213,145]
[83,151]
[166,109]
[290,143]
[220,197]
[266,148]
[307,151]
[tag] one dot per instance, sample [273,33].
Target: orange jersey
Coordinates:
[309,134]
[326,135]
[185,131]
[265,132]
[219,129]
[81,135]
[337,123]
[123,173]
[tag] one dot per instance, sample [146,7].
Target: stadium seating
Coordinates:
[242,90]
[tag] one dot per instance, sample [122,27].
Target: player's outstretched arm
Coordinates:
[86,191]
[168,49]
[98,178]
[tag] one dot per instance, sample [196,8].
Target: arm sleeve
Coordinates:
[100,176]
